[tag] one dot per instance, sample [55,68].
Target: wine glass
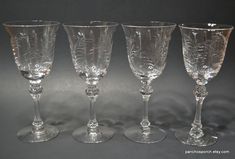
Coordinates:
[33,44]
[91,47]
[204,47]
[147,48]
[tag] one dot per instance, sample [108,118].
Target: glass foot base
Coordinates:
[208,139]
[26,134]
[103,135]
[135,134]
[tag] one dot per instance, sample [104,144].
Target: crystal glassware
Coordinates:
[204,47]
[91,47]
[147,48]
[33,44]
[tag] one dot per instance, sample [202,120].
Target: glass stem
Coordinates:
[146,92]
[35,90]
[200,94]
[92,92]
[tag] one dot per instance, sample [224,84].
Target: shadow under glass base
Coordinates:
[27,135]
[104,134]
[135,134]
[208,139]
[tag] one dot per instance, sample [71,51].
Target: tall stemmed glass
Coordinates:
[204,47]
[91,47]
[147,48]
[33,44]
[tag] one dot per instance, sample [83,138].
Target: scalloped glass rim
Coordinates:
[91,24]
[205,26]
[149,24]
[30,23]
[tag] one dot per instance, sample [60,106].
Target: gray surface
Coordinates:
[64,102]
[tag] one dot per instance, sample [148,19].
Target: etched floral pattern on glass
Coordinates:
[147,47]
[204,47]
[33,44]
[91,47]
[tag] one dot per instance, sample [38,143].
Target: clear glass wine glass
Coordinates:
[33,44]
[91,47]
[147,48]
[204,47]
